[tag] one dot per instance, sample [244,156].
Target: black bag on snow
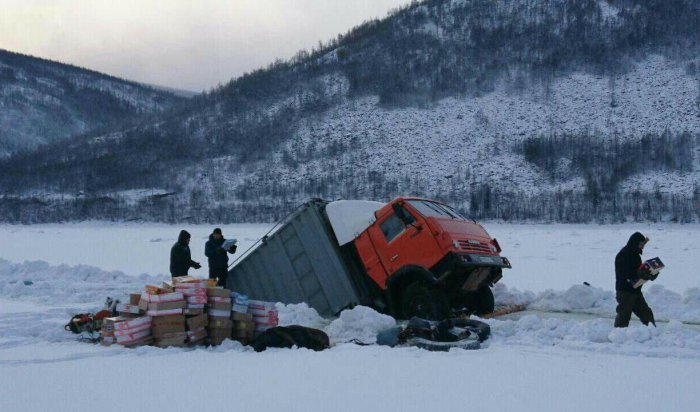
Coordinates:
[290,336]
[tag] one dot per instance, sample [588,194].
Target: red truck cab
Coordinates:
[429,260]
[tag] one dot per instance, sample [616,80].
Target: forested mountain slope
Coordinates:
[567,110]
[42,101]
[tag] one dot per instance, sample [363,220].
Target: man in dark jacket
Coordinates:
[180,256]
[218,258]
[630,299]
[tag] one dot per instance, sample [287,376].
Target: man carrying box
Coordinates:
[218,256]
[628,290]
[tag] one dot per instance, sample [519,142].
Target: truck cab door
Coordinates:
[399,244]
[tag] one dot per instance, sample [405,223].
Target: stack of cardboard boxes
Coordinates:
[265,315]
[220,324]
[186,312]
[195,292]
[166,309]
[243,326]
[126,331]
[196,329]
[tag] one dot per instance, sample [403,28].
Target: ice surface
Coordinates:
[542,363]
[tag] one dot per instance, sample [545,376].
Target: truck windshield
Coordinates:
[435,209]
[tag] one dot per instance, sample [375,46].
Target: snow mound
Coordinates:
[300,314]
[361,323]
[39,282]
[665,303]
[576,297]
[598,335]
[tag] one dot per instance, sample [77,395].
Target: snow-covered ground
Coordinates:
[531,362]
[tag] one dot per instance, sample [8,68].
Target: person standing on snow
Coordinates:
[630,299]
[218,258]
[180,256]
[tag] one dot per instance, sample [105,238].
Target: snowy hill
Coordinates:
[549,110]
[44,101]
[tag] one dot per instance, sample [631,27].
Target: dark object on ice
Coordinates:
[389,337]
[28,283]
[630,299]
[290,336]
[444,331]
[437,336]
[180,256]
[87,322]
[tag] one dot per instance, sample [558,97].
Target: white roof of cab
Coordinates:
[349,218]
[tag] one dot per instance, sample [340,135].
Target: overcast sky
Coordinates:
[187,44]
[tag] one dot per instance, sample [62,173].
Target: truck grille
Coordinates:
[475,248]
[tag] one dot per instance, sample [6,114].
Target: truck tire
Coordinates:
[481,302]
[424,301]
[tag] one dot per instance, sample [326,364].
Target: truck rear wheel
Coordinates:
[480,302]
[424,301]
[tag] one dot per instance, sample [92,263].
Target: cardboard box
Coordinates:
[134,298]
[221,306]
[196,322]
[220,333]
[240,334]
[168,286]
[219,299]
[164,297]
[196,300]
[128,308]
[196,335]
[243,326]
[242,317]
[108,324]
[239,308]
[191,280]
[219,292]
[153,289]
[189,311]
[167,325]
[220,323]
[174,336]
[147,340]
[173,339]
[128,332]
[168,320]
[219,313]
[124,323]
[158,306]
[131,337]
[156,313]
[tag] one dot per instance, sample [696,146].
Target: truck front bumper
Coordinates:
[473,259]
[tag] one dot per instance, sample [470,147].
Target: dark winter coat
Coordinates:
[180,256]
[218,258]
[627,264]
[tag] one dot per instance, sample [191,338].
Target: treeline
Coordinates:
[605,162]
